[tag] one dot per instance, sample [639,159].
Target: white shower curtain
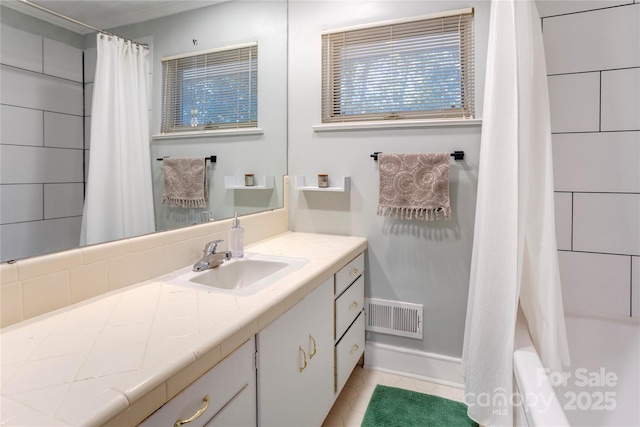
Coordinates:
[119,201]
[514,259]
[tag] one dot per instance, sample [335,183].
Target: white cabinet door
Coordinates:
[295,368]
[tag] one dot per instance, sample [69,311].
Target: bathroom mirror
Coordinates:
[262,152]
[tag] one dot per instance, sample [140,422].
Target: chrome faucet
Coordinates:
[211,258]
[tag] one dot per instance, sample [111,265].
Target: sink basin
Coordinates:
[240,276]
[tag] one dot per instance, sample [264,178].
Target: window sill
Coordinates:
[205,133]
[395,124]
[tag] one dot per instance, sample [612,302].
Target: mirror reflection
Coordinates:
[48,91]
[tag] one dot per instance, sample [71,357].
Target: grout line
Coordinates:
[39,109]
[600,104]
[84,134]
[601,192]
[591,10]
[630,286]
[596,253]
[40,73]
[572,213]
[594,131]
[591,71]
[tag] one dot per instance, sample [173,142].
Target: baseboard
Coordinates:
[416,364]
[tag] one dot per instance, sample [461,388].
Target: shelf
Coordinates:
[301,185]
[265,182]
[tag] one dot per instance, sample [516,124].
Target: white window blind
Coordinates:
[420,69]
[211,90]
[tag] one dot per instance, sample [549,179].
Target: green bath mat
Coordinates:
[395,407]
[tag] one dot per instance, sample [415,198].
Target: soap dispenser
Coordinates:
[236,238]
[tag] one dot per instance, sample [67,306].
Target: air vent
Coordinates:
[394,317]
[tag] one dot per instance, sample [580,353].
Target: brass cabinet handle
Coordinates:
[354,349]
[354,305]
[304,355]
[315,350]
[354,271]
[195,416]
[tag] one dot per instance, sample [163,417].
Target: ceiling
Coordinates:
[106,14]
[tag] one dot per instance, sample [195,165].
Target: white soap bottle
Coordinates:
[236,239]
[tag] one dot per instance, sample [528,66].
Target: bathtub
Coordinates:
[602,386]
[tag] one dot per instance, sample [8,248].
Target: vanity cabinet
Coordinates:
[224,396]
[295,362]
[349,336]
[306,356]
[303,359]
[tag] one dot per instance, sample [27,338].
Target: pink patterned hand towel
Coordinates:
[414,185]
[185,182]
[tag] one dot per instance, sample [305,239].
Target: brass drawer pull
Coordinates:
[353,306]
[315,350]
[304,355]
[196,415]
[354,349]
[354,271]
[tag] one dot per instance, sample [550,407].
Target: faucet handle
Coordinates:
[211,247]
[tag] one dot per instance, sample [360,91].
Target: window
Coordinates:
[211,90]
[418,69]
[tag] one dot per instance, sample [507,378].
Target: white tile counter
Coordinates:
[125,353]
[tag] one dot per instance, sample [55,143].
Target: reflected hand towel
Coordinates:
[414,186]
[185,182]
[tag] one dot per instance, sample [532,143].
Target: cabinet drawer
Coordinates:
[221,383]
[349,273]
[348,352]
[348,305]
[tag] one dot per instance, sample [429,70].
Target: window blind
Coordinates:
[420,69]
[211,90]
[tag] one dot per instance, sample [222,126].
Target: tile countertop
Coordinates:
[86,363]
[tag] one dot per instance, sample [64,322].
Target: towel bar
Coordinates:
[211,159]
[457,155]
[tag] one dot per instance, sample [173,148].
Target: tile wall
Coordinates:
[41,145]
[34,286]
[593,63]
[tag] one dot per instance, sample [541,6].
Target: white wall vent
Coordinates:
[394,317]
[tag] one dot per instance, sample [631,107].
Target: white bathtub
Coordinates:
[602,387]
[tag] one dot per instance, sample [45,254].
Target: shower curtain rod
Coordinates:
[75,21]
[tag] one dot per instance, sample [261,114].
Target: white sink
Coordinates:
[239,276]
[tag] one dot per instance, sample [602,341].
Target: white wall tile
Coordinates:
[596,283]
[63,130]
[29,165]
[599,40]
[635,286]
[63,200]
[20,49]
[90,59]
[563,204]
[21,126]
[62,60]
[27,239]
[560,7]
[574,100]
[606,223]
[597,162]
[21,202]
[27,89]
[621,100]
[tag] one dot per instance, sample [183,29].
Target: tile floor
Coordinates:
[350,406]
